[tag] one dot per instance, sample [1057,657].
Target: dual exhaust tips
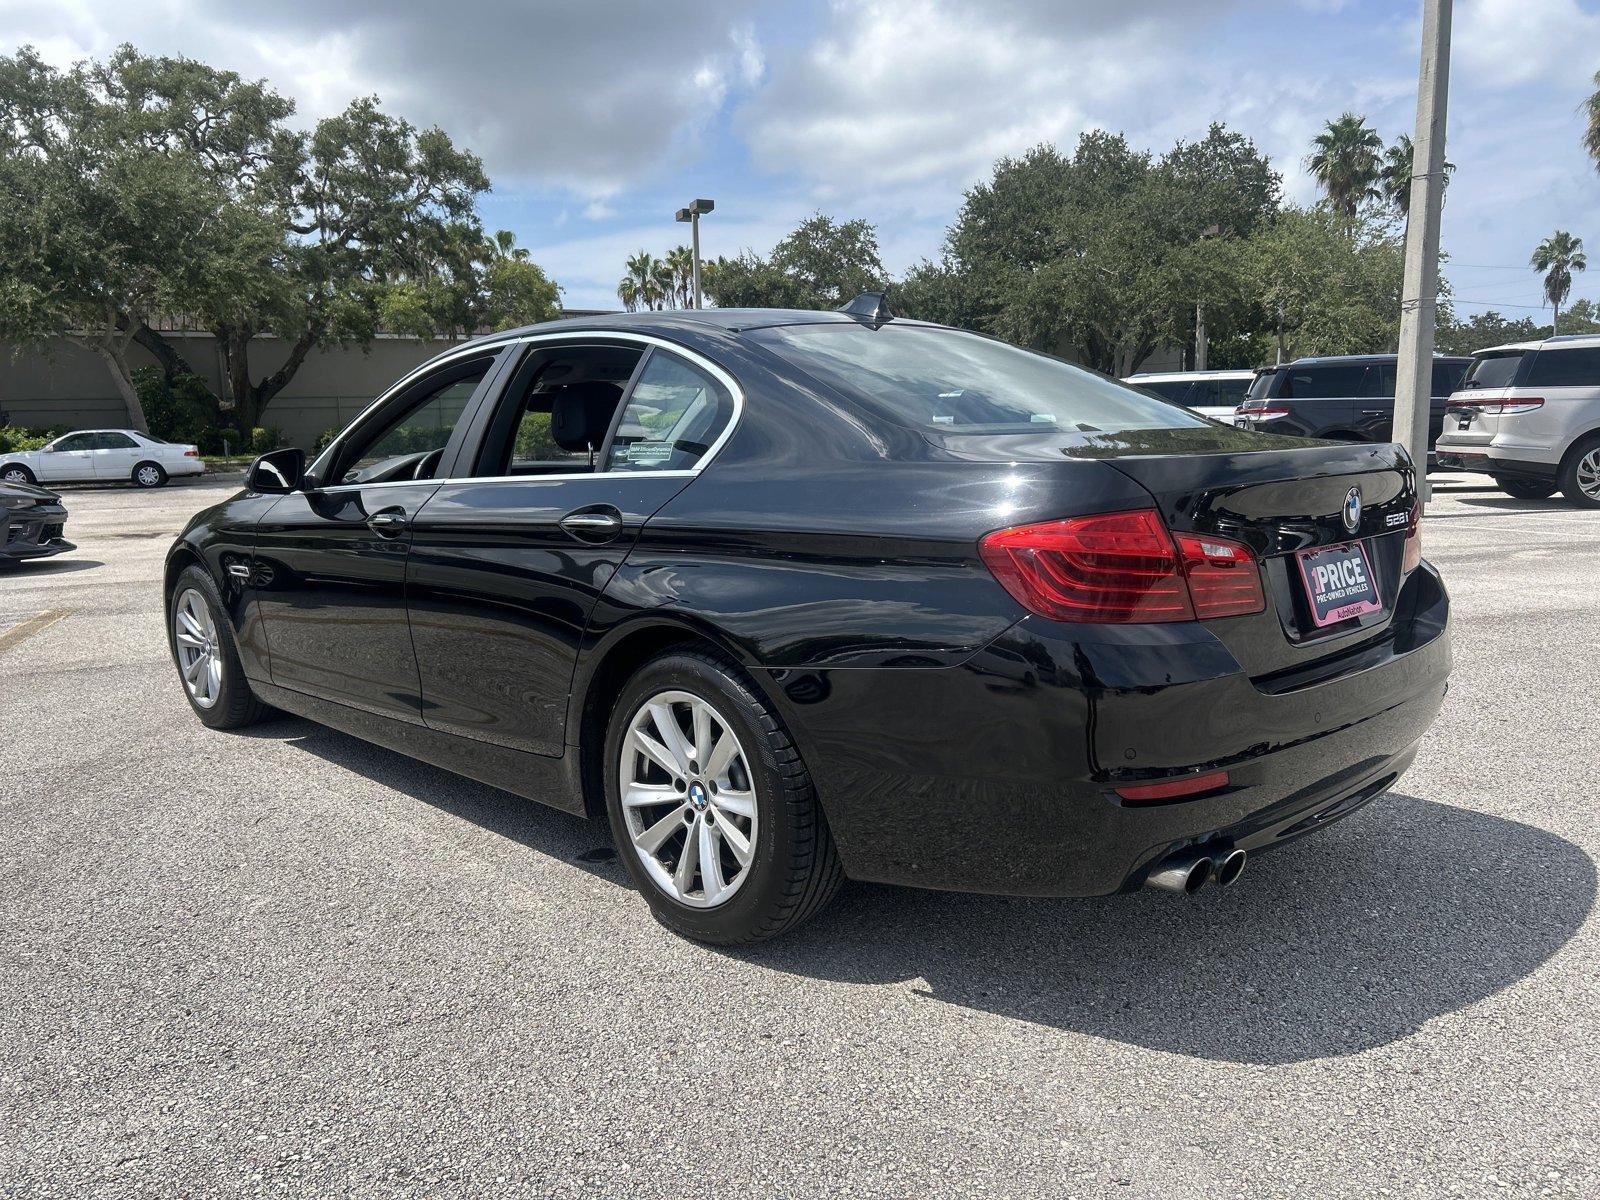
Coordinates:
[1190,870]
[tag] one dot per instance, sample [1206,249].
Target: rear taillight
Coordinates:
[1497,406]
[1223,578]
[1123,568]
[1413,549]
[1262,410]
[191,452]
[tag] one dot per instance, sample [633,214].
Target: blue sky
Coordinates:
[597,120]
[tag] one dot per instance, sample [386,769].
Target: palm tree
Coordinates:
[1346,163]
[1591,139]
[1394,180]
[628,293]
[504,245]
[1557,257]
[680,259]
[642,274]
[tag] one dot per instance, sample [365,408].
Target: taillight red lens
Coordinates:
[1123,568]
[1113,567]
[1224,580]
[1413,548]
[1189,785]
[1262,410]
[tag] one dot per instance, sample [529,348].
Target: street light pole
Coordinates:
[692,214]
[1413,396]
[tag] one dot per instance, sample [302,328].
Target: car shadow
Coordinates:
[53,566]
[1512,504]
[1337,944]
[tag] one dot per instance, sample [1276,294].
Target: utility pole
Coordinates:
[1413,396]
[1206,234]
[692,214]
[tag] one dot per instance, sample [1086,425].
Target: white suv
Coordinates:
[1529,414]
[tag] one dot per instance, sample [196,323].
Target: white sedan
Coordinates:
[101,454]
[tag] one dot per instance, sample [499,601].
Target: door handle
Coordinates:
[387,524]
[592,526]
[1373,412]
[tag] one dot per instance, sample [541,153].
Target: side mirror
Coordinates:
[278,473]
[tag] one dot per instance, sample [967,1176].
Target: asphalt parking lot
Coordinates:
[288,963]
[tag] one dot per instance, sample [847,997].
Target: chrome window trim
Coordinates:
[496,348]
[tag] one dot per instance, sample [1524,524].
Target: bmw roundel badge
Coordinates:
[1352,510]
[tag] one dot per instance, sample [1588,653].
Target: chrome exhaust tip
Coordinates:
[1186,873]
[1231,867]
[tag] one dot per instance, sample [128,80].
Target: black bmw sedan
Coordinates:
[791,597]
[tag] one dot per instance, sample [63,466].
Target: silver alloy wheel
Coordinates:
[1588,474]
[199,653]
[688,799]
[15,475]
[148,476]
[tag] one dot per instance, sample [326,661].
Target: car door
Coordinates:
[68,459]
[330,561]
[1375,411]
[506,566]
[114,455]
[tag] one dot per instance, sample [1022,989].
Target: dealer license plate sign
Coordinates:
[1339,582]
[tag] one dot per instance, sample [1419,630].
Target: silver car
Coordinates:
[102,455]
[1529,415]
[1214,394]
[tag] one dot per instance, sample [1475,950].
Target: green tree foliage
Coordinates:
[1556,258]
[822,264]
[160,188]
[1591,134]
[1103,253]
[1327,285]
[1345,161]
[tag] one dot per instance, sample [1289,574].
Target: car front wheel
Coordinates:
[16,473]
[712,809]
[1580,474]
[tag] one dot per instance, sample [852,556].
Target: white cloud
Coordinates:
[1502,42]
[593,97]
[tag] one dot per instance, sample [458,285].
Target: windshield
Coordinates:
[1494,370]
[945,380]
[1261,385]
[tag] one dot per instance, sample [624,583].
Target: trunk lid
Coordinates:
[1279,502]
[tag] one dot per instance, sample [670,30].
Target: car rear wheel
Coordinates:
[1580,473]
[149,475]
[1526,489]
[208,660]
[713,812]
[16,473]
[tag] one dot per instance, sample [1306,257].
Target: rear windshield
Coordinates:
[1261,385]
[947,381]
[1493,370]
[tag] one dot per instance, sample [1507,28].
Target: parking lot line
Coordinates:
[18,634]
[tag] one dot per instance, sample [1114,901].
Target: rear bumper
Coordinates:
[1492,464]
[999,775]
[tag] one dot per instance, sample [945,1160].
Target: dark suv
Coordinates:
[1349,398]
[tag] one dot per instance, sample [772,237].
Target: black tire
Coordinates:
[149,475]
[1526,489]
[236,705]
[1578,465]
[795,870]
[16,472]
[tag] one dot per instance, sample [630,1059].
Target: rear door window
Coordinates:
[1565,368]
[674,415]
[1231,391]
[1325,381]
[1175,390]
[1494,370]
